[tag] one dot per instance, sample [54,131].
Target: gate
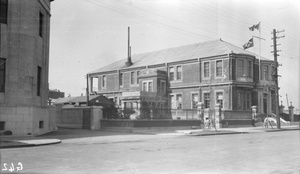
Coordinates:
[86,119]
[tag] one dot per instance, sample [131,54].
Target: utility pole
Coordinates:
[275,75]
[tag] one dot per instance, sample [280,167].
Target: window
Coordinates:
[39,80]
[175,74]
[206,69]
[219,68]
[41,124]
[163,86]
[240,68]
[3,11]
[179,101]
[266,72]
[137,75]
[144,86]
[2,74]
[194,100]
[219,98]
[150,87]
[104,81]
[249,68]
[121,79]
[206,98]
[147,86]
[132,78]
[171,73]
[2,125]
[176,101]
[41,23]
[178,72]
[244,100]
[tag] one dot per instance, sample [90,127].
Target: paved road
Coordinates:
[268,152]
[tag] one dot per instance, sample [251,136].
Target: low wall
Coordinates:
[148,123]
[79,117]
[237,115]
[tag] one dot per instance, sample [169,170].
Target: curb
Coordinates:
[26,143]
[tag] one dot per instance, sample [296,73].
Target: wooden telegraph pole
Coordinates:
[275,75]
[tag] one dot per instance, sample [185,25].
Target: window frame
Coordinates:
[104,81]
[216,97]
[3,69]
[39,80]
[192,101]
[41,23]
[216,73]
[163,88]
[173,73]
[4,11]
[177,72]
[121,79]
[177,102]
[206,104]
[146,88]
[206,76]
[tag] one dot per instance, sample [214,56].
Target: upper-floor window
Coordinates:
[163,86]
[219,68]
[178,72]
[104,81]
[249,68]
[121,79]
[39,80]
[132,78]
[3,11]
[244,68]
[175,73]
[265,72]
[240,68]
[206,69]
[41,23]
[137,75]
[194,100]
[2,74]
[147,86]
[171,73]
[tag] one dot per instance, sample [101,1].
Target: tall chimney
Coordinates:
[129,62]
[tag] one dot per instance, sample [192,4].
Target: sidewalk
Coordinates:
[58,136]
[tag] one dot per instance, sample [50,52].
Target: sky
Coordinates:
[86,35]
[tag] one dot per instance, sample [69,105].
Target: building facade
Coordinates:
[178,78]
[24,66]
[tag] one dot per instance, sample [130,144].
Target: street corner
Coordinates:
[28,143]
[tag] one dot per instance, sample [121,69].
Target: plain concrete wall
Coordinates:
[73,117]
[25,120]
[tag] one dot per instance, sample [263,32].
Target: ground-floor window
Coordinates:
[219,98]
[194,100]
[176,101]
[206,99]
[244,100]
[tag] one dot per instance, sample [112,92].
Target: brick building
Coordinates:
[24,64]
[178,78]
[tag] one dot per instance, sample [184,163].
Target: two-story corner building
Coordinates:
[24,64]
[210,72]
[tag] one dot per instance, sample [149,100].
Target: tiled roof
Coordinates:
[194,51]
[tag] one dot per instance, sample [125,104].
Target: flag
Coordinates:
[257,26]
[249,44]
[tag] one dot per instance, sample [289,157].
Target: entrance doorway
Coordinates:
[265,103]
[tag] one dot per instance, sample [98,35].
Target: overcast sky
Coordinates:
[89,34]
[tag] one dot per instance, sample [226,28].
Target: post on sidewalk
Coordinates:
[200,112]
[291,112]
[217,116]
[254,114]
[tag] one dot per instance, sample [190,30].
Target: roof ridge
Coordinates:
[225,45]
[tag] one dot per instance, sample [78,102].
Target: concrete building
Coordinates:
[24,66]
[178,78]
